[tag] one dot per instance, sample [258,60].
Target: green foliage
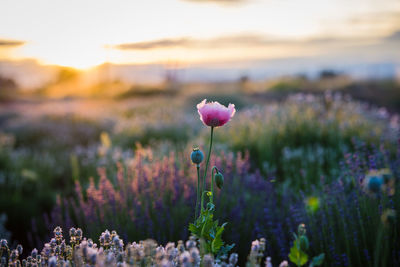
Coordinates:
[317,260]
[296,141]
[389,93]
[304,138]
[288,85]
[297,255]
[209,232]
[149,135]
[298,252]
[205,228]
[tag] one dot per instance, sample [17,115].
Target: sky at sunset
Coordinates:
[86,33]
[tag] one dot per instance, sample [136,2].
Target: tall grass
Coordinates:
[305,137]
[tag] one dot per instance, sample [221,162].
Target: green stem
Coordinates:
[298,249]
[212,183]
[202,197]
[205,171]
[378,259]
[204,226]
[198,191]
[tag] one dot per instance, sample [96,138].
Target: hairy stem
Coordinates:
[198,191]
[205,171]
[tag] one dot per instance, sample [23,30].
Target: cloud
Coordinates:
[10,43]
[185,42]
[238,40]
[241,40]
[161,43]
[374,23]
[377,17]
[395,36]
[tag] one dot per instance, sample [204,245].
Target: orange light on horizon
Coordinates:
[76,33]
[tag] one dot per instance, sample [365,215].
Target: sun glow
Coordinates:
[77,55]
[79,33]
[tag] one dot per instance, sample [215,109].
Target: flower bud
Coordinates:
[219,180]
[34,253]
[196,156]
[19,249]
[58,233]
[3,243]
[14,255]
[233,259]
[116,240]
[375,184]
[79,232]
[53,243]
[301,230]
[72,231]
[107,236]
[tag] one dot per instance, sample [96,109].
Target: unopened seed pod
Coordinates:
[219,180]
[196,156]
[301,230]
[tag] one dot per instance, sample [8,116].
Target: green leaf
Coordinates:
[317,260]
[207,228]
[210,206]
[224,250]
[195,230]
[220,229]
[295,236]
[297,256]
[217,242]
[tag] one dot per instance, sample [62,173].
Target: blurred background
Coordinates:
[98,103]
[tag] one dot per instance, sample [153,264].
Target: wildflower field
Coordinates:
[173,179]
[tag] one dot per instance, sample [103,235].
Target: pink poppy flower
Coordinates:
[214,114]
